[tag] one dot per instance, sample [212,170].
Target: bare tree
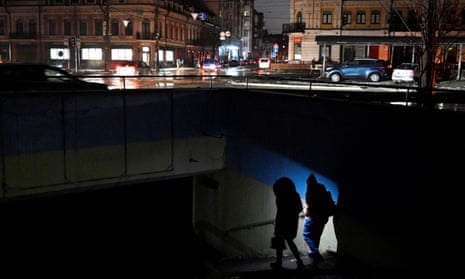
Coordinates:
[434,23]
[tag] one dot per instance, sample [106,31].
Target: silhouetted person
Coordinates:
[318,207]
[288,205]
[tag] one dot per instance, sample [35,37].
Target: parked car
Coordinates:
[130,68]
[370,69]
[43,77]
[264,63]
[210,64]
[405,72]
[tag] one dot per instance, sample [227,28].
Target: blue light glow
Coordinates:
[266,166]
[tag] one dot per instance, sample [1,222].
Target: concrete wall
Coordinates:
[56,142]
[393,170]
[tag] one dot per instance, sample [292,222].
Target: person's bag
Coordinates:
[277,243]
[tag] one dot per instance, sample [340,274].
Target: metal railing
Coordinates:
[447,97]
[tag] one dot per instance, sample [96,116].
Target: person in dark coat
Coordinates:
[317,212]
[288,206]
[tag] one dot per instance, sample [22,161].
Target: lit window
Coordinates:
[361,17]
[375,17]
[327,18]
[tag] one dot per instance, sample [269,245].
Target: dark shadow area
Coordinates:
[144,227]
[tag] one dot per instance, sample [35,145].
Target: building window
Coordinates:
[2,28]
[145,29]
[67,27]
[327,18]
[98,27]
[169,56]
[161,55]
[297,48]
[91,54]
[32,27]
[129,29]
[463,15]
[59,53]
[52,27]
[83,28]
[19,26]
[361,17]
[375,17]
[114,27]
[121,54]
[299,17]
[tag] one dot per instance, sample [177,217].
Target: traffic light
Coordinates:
[72,41]
[345,19]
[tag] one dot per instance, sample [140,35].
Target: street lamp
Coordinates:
[200,16]
[106,36]
[126,22]
[157,37]
[157,49]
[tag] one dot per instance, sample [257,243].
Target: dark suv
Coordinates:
[370,69]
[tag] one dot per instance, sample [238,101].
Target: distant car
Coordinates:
[264,63]
[210,64]
[370,69]
[405,72]
[130,68]
[42,78]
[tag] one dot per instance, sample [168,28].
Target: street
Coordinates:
[251,77]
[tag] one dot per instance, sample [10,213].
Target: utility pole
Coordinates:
[157,39]
[341,29]
[106,35]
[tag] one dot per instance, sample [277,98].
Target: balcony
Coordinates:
[294,27]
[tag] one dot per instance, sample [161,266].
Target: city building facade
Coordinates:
[338,30]
[90,34]
[237,21]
